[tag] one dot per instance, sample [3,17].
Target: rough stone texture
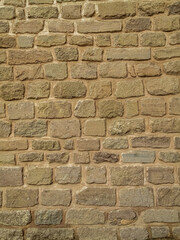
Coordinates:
[81,158]
[103,40]
[28,72]
[38,90]
[25,41]
[150,39]
[150,141]
[166,125]
[43,12]
[50,145]
[176,232]
[31,26]
[148,69]
[31,157]
[169,196]
[56,197]
[100,89]
[66,54]
[57,157]
[88,144]
[95,127]
[11,176]
[96,175]
[138,233]
[5,129]
[81,40]
[121,217]
[85,216]
[68,175]
[137,24]
[149,8]
[51,40]
[169,157]
[85,108]
[125,40]
[56,71]
[60,26]
[93,54]
[84,71]
[101,157]
[88,233]
[136,197]
[139,157]
[48,217]
[12,145]
[12,91]
[127,176]
[23,110]
[115,143]
[15,218]
[160,175]
[71,11]
[96,196]
[6,73]
[166,24]
[160,232]
[153,107]
[7,158]
[173,106]
[161,215]
[39,176]
[13,234]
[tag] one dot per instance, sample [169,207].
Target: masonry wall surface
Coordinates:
[89,120]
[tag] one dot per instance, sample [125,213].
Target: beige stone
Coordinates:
[29,72]
[84,71]
[38,90]
[103,40]
[23,110]
[71,11]
[95,127]
[30,26]
[39,175]
[96,175]
[125,40]
[50,40]
[113,70]
[131,108]
[85,144]
[153,107]
[12,91]
[100,89]
[43,12]
[110,109]
[98,26]
[81,40]
[85,108]
[93,54]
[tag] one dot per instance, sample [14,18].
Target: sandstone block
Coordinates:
[29,72]
[50,145]
[165,125]
[7,13]
[150,39]
[160,232]
[68,175]
[89,10]
[136,197]
[51,109]
[98,26]
[11,176]
[162,23]
[12,145]
[50,40]
[121,217]
[25,41]
[43,12]
[88,144]
[4,27]
[7,42]
[23,110]
[40,2]
[68,144]
[3,57]
[149,8]
[174,38]
[96,175]
[2,110]
[153,107]
[129,88]
[5,129]
[81,158]
[34,128]
[39,175]
[85,108]
[71,11]
[166,53]
[56,197]
[100,89]
[84,71]
[70,89]
[7,158]
[15,218]
[62,157]
[174,8]
[13,234]
[176,232]
[66,54]
[131,108]
[139,233]
[125,40]
[65,128]
[95,127]
[38,90]
[48,217]
[96,196]
[150,142]
[105,233]
[30,26]
[115,143]
[160,175]
[12,91]
[100,157]
[103,40]
[93,54]
[21,198]
[168,196]
[174,106]
[113,70]
[177,143]
[110,109]
[172,68]
[169,157]
[161,215]
[127,176]
[81,40]
[148,69]
[31,157]
[16,3]
[61,26]
[139,157]
[137,24]
[83,216]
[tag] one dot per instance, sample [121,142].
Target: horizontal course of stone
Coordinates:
[89,119]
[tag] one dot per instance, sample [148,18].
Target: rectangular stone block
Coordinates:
[12,145]
[48,217]
[113,70]
[177,143]
[7,158]
[139,157]
[5,129]
[166,53]
[62,157]
[95,127]
[15,218]
[12,91]
[174,106]
[84,71]
[121,217]
[125,40]
[168,196]
[136,197]
[13,234]
[31,157]
[153,39]
[160,175]
[30,26]
[71,11]
[137,24]
[28,72]
[153,107]
[96,175]
[46,144]
[81,40]
[148,69]
[61,26]
[61,197]
[92,54]
[96,196]
[88,144]
[38,90]
[4,27]
[23,110]
[43,12]
[160,232]
[39,175]
[139,233]
[50,40]
[68,175]
[169,157]
[161,215]
[3,56]
[115,143]
[7,13]
[149,8]
[172,68]
[150,142]
[54,71]
[81,158]
[100,157]
[88,233]
[6,73]
[165,125]
[11,176]
[166,24]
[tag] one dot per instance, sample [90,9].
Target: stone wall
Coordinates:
[90,120]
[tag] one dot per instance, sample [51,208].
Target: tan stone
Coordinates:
[113,70]
[166,53]
[71,11]
[165,125]
[98,26]
[174,106]
[68,175]
[61,26]
[85,108]
[148,69]
[150,39]
[12,91]
[7,42]
[93,54]
[16,3]
[6,73]
[50,40]
[66,54]
[100,89]
[62,157]
[37,90]
[81,158]
[95,127]
[84,71]
[23,110]
[162,23]
[96,175]
[11,176]
[81,40]
[7,13]
[89,10]
[172,68]
[137,24]
[25,41]
[30,26]
[131,107]
[29,72]
[3,57]
[115,143]
[51,197]
[50,145]
[153,107]
[85,144]
[4,27]
[150,8]
[160,175]
[43,12]
[39,176]
[103,40]
[110,109]
[13,145]
[125,40]
[5,129]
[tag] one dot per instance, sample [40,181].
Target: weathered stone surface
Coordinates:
[148,69]
[43,12]
[127,176]
[172,68]
[81,158]
[114,54]
[31,157]
[116,9]
[174,106]
[54,71]
[131,108]
[68,175]
[96,175]
[160,175]
[96,196]
[38,90]
[3,57]
[110,109]
[40,2]
[29,56]
[162,23]
[68,144]
[50,40]
[150,8]
[126,127]
[34,128]
[30,26]
[12,91]
[84,71]
[62,157]
[125,40]
[61,26]
[163,86]
[85,108]
[176,232]
[136,197]
[2,110]
[174,8]
[71,11]
[150,39]
[7,42]
[169,157]
[104,233]
[15,218]
[160,232]
[16,3]
[71,89]
[89,10]
[150,142]
[81,40]
[129,88]
[20,14]
[83,216]
[139,157]
[103,40]
[95,127]
[138,233]
[161,215]
[58,109]
[4,27]
[23,110]
[12,234]
[88,144]
[46,144]
[98,26]
[25,41]
[92,54]
[48,217]
[165,125]
[153,107]
[137,24]
[7,158]
[5,129]
[11,176]
[66,54]
[56,197]
[7,13]
[115,143]
[113,70]
[177,143]
[100,157]
[39,175]
[65,128]
[168,196]
[174,38]
[100,89]
[12,145]
[166,53]
[121,217]
[21,198]
[28,72]
[50,233]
